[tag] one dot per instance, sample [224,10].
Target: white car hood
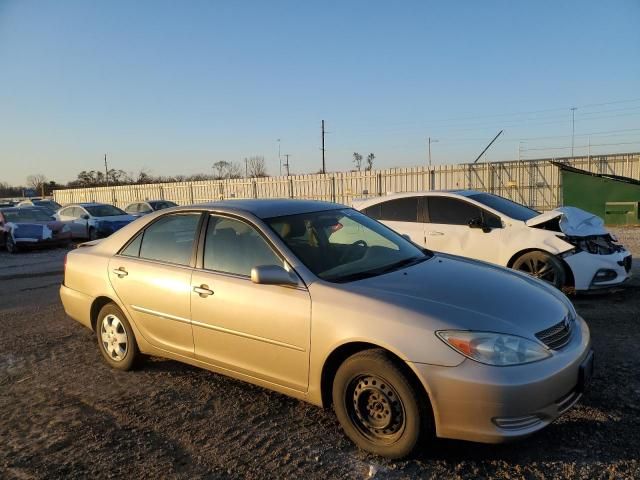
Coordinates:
[574,222]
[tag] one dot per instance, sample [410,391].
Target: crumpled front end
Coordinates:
[594,271]
[597,260]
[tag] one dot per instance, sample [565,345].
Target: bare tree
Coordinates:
[37,182]
[370,159]
[357,160]
[220,169]
[234,170]
[256,166]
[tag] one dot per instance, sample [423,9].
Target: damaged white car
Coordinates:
[567,247]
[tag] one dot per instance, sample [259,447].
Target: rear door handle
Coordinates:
[203,290]
[435,233]
[121,272]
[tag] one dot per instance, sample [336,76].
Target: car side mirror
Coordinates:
[406,237]
[273,275]
[84,216]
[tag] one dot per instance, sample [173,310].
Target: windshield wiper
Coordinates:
[407,262]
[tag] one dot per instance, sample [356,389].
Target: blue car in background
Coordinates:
[93,220]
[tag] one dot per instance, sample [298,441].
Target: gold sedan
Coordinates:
[320,302]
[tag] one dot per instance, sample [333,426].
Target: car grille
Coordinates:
[557,336]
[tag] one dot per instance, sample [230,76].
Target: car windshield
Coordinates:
[510,209]
[345,245]
[162,205]
[104,211]
[27,215]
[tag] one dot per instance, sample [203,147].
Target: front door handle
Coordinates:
[121,272]
[435,233]
[203,290]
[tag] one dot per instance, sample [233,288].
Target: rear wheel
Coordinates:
[377,405]
[542,265]
[116,340]
[11,245]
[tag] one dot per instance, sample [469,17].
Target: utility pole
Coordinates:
[323,165]
[279,158]
[573,127]
[286,155]
[106,169]
[430,142]
[246,167]
[519,150]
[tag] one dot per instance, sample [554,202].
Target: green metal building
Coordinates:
[614,198]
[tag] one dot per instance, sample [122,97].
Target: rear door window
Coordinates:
[396,210]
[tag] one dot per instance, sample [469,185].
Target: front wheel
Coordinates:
[377,405]
[116,340]
[542,265]
[93,234]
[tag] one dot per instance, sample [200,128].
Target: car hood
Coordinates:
[458,293]
[573,221]
[116,218]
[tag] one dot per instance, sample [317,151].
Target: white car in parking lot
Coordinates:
[567,247]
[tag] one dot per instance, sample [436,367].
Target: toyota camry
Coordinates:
[322,303]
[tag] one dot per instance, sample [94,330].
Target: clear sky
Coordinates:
[174,86]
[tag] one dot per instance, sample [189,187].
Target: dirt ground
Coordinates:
[64,413]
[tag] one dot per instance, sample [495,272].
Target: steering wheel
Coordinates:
[362,243]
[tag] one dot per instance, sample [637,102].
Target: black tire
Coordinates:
[93,234]
[10,244]
[542,265]
[377,405]
[110,327]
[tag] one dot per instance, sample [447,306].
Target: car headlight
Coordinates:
[491,348]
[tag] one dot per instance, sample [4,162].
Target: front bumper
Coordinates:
[56,241]
[592,271]
[489,404]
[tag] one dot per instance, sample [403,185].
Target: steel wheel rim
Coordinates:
[114,338]
[539,269]
[376,409]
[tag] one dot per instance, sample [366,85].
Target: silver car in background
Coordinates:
[320,302]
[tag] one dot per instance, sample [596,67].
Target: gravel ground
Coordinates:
[64,413]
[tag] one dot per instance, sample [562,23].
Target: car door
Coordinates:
[71,216]
[262,331]
[152,278]
[448,229]
[404,215]
[80,223]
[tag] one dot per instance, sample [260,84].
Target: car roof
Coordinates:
[391,196]
[266,208]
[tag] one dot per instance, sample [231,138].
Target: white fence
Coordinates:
[535,183]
